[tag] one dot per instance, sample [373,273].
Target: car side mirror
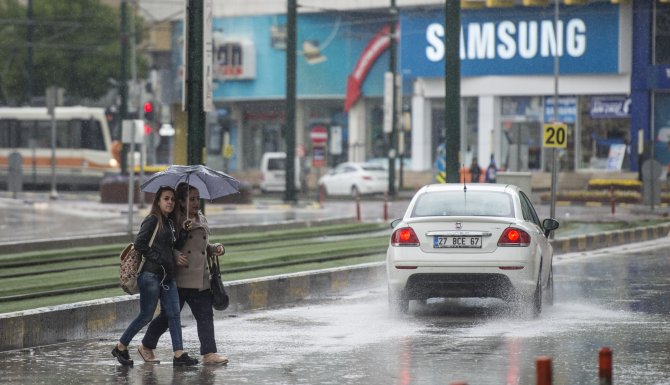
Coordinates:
[549,225]
[395,222]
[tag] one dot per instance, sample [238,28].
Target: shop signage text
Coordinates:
[508,39]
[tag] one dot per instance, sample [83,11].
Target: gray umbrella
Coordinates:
[211,184]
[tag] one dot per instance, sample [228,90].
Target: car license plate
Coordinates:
[458,242]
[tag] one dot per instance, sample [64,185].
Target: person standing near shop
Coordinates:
[192,278]
[475,171]
[491,171]
[157,279]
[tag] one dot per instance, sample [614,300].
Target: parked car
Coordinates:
[351,178]
[474,240]
[273,172]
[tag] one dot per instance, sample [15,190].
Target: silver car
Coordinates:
[476,240]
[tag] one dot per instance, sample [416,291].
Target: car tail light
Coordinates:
[404,236]
[367,177]
[514,237]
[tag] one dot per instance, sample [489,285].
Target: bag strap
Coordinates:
[151,242]
[213,264]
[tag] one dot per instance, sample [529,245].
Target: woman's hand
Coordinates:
[187,224]
[218,249]
[182,260]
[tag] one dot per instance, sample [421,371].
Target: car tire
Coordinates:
[536,304]
[549,291]
[398,302]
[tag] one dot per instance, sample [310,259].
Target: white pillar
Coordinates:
[488,141]
[422,123]
[357,132]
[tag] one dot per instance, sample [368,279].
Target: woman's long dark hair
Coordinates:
[156,208]
[182,200]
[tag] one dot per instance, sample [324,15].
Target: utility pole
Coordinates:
[554,163]
[123,83]
[194,82]
[393,147]
[291,65]
[29,56]
[452,89]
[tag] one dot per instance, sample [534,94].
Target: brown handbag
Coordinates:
[131,265]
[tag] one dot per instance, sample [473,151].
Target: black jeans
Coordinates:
[200,303]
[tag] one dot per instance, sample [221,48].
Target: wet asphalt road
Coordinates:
[614,297]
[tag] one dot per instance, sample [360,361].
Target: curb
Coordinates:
[84,320]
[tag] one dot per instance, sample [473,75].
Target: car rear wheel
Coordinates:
[398,302]
[537,300]
[549,291]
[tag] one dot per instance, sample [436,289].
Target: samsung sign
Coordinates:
[515,41]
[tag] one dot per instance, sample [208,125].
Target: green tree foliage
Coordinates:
[76,46]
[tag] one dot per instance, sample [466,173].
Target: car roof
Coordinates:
[494,187]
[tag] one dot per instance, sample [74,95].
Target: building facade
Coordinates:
[610,80]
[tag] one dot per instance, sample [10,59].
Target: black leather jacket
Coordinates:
[160,256]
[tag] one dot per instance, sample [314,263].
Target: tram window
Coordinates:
[91,135]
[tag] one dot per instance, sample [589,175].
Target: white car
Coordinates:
[351,178]
[476,240]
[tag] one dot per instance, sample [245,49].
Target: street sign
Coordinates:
[556,135]
[318,135]
[318,156]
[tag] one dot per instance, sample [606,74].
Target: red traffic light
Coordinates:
[148,107]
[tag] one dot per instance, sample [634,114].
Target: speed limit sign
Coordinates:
[556,135]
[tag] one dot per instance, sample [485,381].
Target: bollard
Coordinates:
[386,207]
[543,367]
[612,203]
[358,206]
[458,382]
[605,366]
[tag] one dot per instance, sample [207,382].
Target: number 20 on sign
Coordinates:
[555,135]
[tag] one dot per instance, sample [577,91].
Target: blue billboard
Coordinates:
[514,41]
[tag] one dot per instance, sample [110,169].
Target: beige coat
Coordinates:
[196,248]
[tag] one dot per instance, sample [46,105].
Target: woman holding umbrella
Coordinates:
[192,278]
[156,281]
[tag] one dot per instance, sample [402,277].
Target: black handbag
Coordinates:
[220,298]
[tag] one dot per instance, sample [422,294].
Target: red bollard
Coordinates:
[612,202]
[358,207]
[386,207]
[543,367]
[605,366]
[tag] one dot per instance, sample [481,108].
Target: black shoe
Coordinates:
[122,356]
[184,360]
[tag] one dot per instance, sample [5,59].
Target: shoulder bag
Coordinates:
[220,298]
[131,265]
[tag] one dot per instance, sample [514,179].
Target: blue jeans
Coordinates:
[151,291]
[200,303]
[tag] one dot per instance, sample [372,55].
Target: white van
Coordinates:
[273,172]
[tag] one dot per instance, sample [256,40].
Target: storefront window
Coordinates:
[662,33]
[605,127]
[521,144]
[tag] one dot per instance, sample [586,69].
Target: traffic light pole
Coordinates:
[194,83]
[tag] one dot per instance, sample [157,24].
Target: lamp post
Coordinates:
[452,89]
[394,95]
[554,162]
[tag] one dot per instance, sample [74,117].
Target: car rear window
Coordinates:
[276,164]
[457,203]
